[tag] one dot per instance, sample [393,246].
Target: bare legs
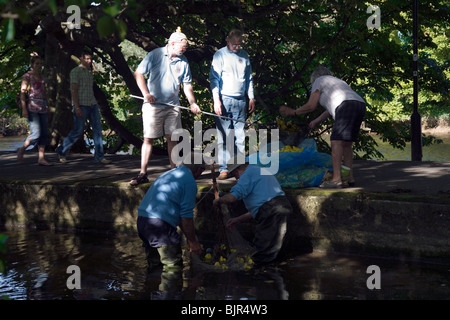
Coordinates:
[341,149]
[170,145]
[41,153]
[41,157]
[146,152]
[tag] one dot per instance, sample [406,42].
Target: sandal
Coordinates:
[45,164]
[331,185]
[140,178]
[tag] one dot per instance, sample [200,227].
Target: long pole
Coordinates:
[222,230]
[204,112]
[416,123]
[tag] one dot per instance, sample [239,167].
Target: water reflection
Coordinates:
[435,152]
[11,143]
[114,267]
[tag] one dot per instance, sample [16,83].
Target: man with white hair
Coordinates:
[166,69]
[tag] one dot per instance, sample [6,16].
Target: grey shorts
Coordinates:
[159,121]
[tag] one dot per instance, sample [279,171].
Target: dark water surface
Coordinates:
[34,266]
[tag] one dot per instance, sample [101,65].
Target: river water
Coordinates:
[435,152]
[35,265]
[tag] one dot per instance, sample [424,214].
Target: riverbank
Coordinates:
[397,207]
[436,125]
[17,127]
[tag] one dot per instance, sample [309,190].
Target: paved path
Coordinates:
[417,178]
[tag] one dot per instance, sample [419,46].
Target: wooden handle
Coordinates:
[214,181]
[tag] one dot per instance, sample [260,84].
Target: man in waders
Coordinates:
[266,202]
[168,204]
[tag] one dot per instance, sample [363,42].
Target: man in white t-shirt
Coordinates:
[347,109]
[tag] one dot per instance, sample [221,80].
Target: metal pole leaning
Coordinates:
[204,112]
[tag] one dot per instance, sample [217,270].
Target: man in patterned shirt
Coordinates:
[85,107]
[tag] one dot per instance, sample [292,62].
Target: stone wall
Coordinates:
[322,220]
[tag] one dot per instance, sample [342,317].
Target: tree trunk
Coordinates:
[112,121]
[59,64]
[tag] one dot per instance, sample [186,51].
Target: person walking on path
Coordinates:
[347,109]
[85,108]
[167,68]
[33,100]
[267,205]
[231,80]
[168,204]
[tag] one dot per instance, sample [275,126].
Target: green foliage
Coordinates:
[286,40]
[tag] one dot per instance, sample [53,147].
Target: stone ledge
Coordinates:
[344,220]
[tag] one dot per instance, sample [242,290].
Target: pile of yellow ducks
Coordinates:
[223,263]
[290,149]
[288,126]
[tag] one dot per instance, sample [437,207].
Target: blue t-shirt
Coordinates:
[171,197]
[255,188]
[165,75]
[231,74]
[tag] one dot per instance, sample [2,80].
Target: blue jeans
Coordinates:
[39,128]
[231,134]
[92,114]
